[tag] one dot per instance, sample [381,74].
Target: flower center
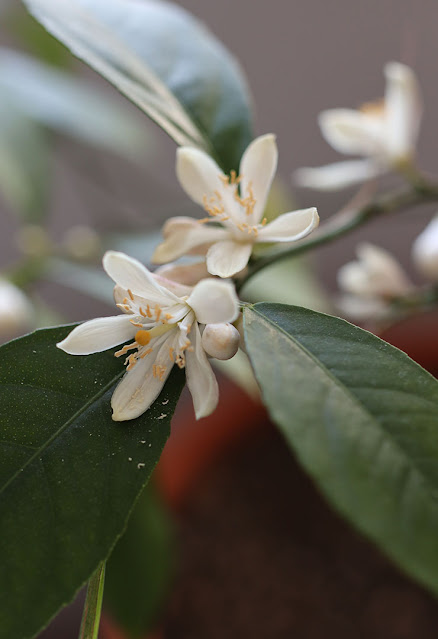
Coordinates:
[215,206]
[375,108]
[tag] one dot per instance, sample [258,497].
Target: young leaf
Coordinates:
[69,475]
[164,61]
[363,420]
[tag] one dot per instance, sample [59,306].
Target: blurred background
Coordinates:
[109,173]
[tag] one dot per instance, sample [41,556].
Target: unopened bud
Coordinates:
[16,311]
[220,340]
[425,251]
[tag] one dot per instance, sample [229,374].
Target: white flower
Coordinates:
[235,202]
[16,311]
[425,251]
[162,318]
[371,283]
[384,132]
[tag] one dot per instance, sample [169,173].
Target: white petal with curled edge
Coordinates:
[257,168]
[131,275]
[98,335]
[227,258]
[184,237]
[290,227]
[352,132]
[338,175]
[403,110]
[201,380]
[214,302]
[198,173]
[139,387]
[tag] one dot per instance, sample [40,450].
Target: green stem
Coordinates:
[347,221]
[93,605]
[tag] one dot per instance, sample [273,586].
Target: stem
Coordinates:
[346,221]
[93,605]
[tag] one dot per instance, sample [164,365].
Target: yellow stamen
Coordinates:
[130,294]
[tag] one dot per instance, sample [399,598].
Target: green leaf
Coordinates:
[140,568]
[362,418]
[69,475]
[24,163]
[62,102]
[164,61]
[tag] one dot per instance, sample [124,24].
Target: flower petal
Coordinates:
[338,175]
[353,132]
[98,335]
[139,387]
[182,236]
[198,173]
[185,274]
[425,251]
[200,377]
[131,275]
[214,302]
[290,227]
[227,258]
[403,110]
[257,168]
[376,273]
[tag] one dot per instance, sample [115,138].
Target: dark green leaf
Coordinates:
[363,420]
[140,568]
[163,60]
[69,475]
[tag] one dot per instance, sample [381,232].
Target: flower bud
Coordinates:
[220,340]
[425,251]
[16,311]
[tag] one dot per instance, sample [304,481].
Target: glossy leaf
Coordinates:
[362,418]
[164,61]
[140,568]
[69,475]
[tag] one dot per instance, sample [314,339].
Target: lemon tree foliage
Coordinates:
[163,60]
[70,475]
[362,418]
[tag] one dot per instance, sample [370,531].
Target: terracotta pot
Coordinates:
[418,337]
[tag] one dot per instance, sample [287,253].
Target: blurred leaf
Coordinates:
[60,101]
[70,475]
[362,419]
[85,279]
[290,281]
[140,568]
[24,163]
[32,36]
[166,62]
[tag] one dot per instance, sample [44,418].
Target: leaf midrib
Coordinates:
[61,429]
[428,486]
